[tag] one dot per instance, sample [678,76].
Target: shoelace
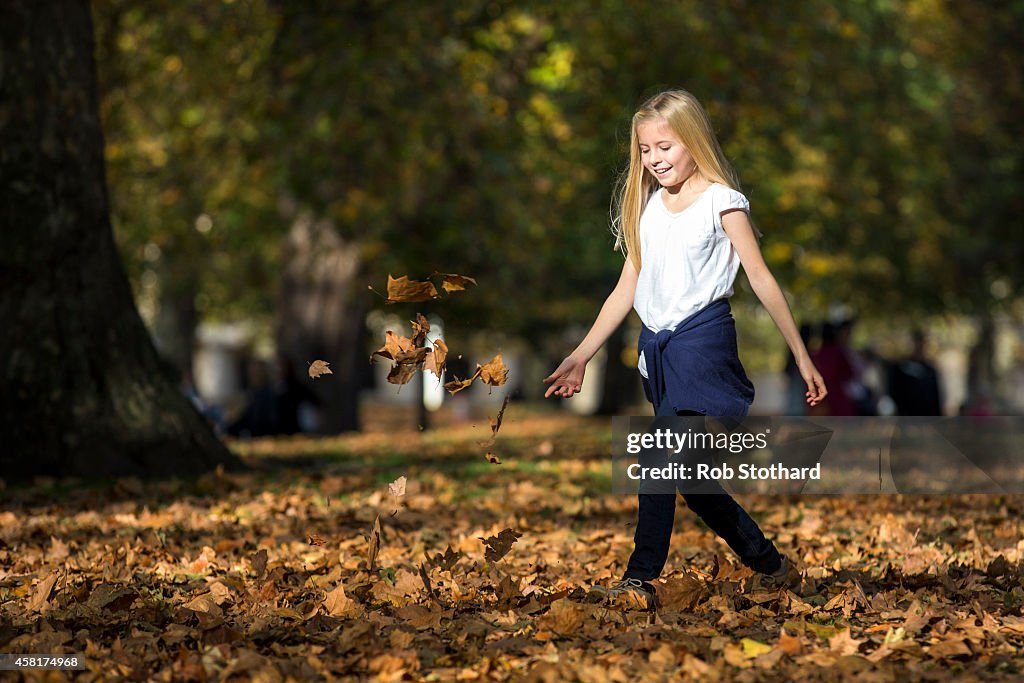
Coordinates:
[625,584]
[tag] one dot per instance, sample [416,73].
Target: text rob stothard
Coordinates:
[667,439]
[705,471]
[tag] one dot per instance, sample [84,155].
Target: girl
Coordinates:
[683,226]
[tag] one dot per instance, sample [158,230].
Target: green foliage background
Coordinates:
[879,143]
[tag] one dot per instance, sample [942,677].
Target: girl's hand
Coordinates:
[567,379]
[816,390]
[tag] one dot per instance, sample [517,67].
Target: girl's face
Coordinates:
[663,154]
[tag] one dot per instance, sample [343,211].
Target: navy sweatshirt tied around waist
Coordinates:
[696,366]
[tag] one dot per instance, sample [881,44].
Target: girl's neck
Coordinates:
[693,184]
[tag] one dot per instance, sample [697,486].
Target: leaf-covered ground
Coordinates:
[266,576]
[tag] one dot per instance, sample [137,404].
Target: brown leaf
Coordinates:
[446,561]
[405,290]
[435,361]
[318,368]
[420,328]
[495,372]
[492,458]
[954,647]
[259,562]
[457,385]
[374,543]
[499,546]
[791,645]
[455,283]
[394,346]
[413,357]
[41,595]
[843,643]
[401,374]
[316,540]
[397,487]
[338,604]
[680,593]
[495,424]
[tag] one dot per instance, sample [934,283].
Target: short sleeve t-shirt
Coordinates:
[687,260]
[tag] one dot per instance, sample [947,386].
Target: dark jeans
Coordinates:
[717,509]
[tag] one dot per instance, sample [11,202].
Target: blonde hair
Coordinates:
[688,120]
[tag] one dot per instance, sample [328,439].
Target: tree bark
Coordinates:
[321,314]
[84,392]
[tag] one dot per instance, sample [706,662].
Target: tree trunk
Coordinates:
[321,312]
[619,381]
[84,391]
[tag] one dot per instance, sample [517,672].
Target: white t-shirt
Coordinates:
[687,260]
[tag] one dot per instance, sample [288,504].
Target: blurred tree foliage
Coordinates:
[878,141]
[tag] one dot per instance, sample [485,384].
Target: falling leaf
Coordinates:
[316,540]
[435,360]
[446,561]
[374,543]
[492,458]
[457,385]
[397,487]
[405,290]
[394,346]
[402,373]
[318,368]
[499,546]
[455,283]
[420,328]
[495,372]
[495,424]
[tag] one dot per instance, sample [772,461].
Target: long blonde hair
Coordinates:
[688,120]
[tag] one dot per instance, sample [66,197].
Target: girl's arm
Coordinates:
[741,233]
[567,379]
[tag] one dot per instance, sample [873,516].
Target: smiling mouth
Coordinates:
[661,171]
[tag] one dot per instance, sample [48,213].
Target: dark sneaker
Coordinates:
[786,576]
[627,593]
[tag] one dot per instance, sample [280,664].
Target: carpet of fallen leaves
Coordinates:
[266,575]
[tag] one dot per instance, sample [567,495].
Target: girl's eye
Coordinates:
[665,149]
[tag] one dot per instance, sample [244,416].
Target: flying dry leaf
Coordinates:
[499,546]
[495,424]
[457,385]
[493,459]
[397,487]
[314,539]
[319,367]
[455,283]
[374,543]
[435,360]
[420,328]
[405,290]
[394,345]
[414,357]
[495,372]
[402,373]
[446,561]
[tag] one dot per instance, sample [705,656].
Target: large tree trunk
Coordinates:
[84,392]
[321,313]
